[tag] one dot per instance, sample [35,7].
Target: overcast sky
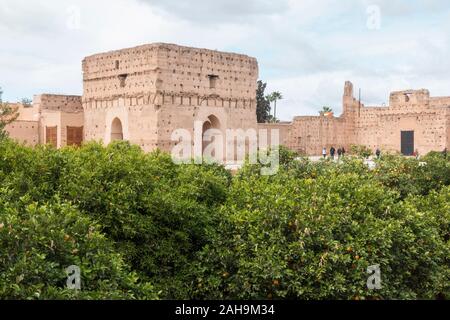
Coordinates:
[306,49]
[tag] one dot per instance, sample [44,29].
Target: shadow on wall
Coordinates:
[116,130]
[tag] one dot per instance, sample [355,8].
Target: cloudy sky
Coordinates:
[306,48]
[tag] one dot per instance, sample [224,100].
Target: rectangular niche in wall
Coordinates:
[212,81]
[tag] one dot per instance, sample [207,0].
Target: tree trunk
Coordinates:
[275,111]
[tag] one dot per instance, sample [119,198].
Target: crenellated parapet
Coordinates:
[171,70]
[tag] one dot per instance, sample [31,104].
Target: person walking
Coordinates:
[324,152]
[332,152]
[339,152]
[378,153]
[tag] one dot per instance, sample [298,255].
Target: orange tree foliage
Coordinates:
[142,227]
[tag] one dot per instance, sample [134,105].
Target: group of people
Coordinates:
[340,152]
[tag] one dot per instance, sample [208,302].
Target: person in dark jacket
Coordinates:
[378,153]
[332,152]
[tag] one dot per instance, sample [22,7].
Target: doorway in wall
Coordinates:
[407,143]
[116,130]
[208,136]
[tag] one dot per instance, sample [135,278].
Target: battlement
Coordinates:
[409,97]
[171,69]
[56,102]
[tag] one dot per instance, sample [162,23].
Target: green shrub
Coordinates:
[38,242]
[413,177]
[194,231]
[158,213]
[361,151]
[284,237]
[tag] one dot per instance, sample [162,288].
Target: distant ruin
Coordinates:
[143,94]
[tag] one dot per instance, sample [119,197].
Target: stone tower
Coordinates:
[350,114]
[143,94]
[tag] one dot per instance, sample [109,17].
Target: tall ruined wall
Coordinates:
[155,89]
[448,128]
[54,102]
[26,127]
[284,133]
[377,127]
[60,111]
[121,84]
[47,110]
[198,83]
[411,110]
[24,131]
[310,134]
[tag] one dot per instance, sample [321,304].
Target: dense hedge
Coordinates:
[313,238]
[38,242]
[140,226]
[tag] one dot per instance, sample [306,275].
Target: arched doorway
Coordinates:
[116,130]
[211,133]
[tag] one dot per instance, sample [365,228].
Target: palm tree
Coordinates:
[326,110]
[274,97]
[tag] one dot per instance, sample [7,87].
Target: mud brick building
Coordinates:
[143,94]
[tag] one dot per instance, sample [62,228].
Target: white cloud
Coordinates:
[306,49]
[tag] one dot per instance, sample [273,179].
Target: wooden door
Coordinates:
[51,134]
[74,136]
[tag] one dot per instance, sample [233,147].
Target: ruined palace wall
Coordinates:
[27,113]
[381,127]
[310,134]
[198,83]
[378,127]
[53,102]
[138,120]
[121,73]
[439,101]
[448,129]
[24,131]
[306,135]
[122,84]
[187,72]
[25,128]
[58,111]
[368,127]
[443,105]
[158,88]
[284,132]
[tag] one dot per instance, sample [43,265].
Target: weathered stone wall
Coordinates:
[311,134]
[53,102]
[24,131]
[377,127]
[58,111]
[381,127]
[158,88]
[284,133]
[143,94]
